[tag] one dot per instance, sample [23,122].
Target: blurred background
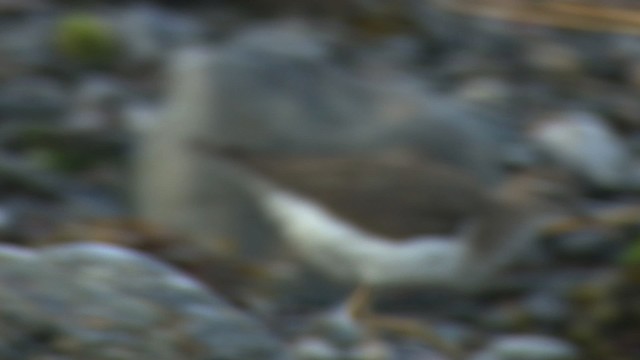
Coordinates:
[120,241]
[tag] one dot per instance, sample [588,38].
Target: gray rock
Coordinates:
[102,302]
[398,52]
[340,328]
[370,350]
[554,59]
[24,45]
[546,308]
[7,218]
[634,177]
[149,32]
[485,90]
[21,6]
[528,347]
[33,98]
[138,117]
[97,104]
[588,244]
[584,143]
[290,40]
[315,349]
[503,318]
[520,155]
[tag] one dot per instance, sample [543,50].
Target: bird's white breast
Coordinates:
[349,253]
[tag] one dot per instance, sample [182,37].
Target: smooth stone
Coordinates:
[9,253]
[584,245]
[24,45]
[554,58]
[339,328]
[584,143]
[634,177]
[139,117]
[520,156]
[370,350]
[22,6]
[504,318]
[485,91]
[528,347]
[33,98]
[150,32]
[90,300]
[290,39]
[315,349]
[546,308]
[7,218]
[96,104]
[458,334]
[633,75]
[397,52]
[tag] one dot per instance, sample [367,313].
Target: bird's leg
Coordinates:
[359,308]
[359,302]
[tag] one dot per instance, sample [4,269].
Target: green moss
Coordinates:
[86,39]
[631,257]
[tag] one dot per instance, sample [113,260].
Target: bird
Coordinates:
[395,219]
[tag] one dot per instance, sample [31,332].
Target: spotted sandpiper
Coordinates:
[396,219]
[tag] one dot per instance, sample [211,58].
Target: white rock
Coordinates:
[371,350]
[585,144]
[484,90]
[15,253]
[315,349]
[528,347]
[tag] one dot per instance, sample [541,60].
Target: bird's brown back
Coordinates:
[397,194]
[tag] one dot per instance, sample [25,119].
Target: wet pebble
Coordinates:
[370,350]
[584,143]
[6,218]
[584,245]
[504,317]
[97,104]
[485,91]
[149,32]
[315,349]
[339,328]
[33,98]
[104,302]
[528,347]
[546,308]
[553,59]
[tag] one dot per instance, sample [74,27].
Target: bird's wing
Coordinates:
[397,196]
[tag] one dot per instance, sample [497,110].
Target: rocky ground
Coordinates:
[92,266]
